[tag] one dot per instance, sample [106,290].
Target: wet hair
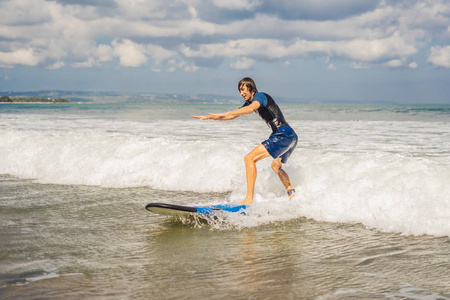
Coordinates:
[249,83]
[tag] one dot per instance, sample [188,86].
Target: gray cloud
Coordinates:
[318,10]
[96,3]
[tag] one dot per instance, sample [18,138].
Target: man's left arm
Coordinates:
[230,115]
[245,110]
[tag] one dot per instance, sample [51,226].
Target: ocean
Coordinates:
[370,219]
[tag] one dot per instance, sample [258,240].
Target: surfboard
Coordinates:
[186,211]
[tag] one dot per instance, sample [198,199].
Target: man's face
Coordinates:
[245,93]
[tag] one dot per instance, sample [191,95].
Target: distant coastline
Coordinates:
[33,99]
[99,97]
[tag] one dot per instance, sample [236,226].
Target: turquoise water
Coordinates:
[370,218]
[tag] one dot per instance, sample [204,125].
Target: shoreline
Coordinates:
[35,102]
[46,102]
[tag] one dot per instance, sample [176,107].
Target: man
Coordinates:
[279,145]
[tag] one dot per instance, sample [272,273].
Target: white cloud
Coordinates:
[396,63]
[85,64]
[158,53]
[373,50]
[401,63]
[57,65]
[130,54]
[362,50]
[175,64]
[193,12]
[25,57]
[105,52]
[357,65]
[440,56]
[413,65]
[243,63]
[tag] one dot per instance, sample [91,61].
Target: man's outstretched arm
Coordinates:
[215,117]
[230,115]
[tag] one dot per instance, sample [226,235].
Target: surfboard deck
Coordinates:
[186,211]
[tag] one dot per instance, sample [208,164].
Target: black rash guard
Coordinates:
[268,111]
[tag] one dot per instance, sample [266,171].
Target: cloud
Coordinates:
[413,65]
[226,11]
[401,63]
[23,12]
[318,9]
[57,65]
[158,53]
[26,57]
[357,65]
[130,54]
[191,34]
[181,64]
[237,4]
[96,3]
[105,52]
[85,64]
[363,50]
[395,63]
[440,56]
[243,63]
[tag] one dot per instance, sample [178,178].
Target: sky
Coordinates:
[310,50]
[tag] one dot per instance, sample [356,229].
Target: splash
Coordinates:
[372,173]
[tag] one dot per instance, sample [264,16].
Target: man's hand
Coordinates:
[202,117]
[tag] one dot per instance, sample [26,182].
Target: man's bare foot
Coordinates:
[247,201]
[291,192]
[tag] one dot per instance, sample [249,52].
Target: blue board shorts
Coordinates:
[281,143]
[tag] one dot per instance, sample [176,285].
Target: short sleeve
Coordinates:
[261,98]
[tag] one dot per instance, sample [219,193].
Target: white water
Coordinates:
[388,175]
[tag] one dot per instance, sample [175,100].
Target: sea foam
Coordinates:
[391,192]
[388,175]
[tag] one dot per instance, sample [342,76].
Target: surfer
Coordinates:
[279,145]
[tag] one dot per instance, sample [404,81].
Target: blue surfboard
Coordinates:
[186,211]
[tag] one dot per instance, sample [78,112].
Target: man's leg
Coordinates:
[277,168]
[250,160]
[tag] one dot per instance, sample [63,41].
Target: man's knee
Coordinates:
[276,165]
[248,159]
